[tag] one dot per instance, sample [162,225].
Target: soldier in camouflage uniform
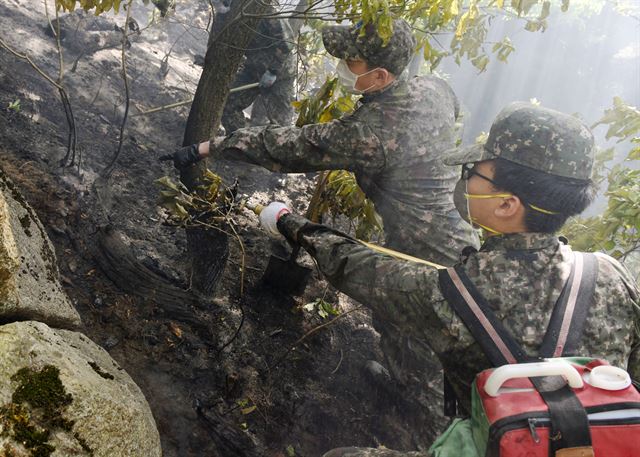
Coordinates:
[521,186]
[268,56]
[395,143]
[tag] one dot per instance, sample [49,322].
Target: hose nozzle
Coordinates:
[256,208]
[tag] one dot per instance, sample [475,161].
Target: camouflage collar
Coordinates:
[520,242]
[370,96]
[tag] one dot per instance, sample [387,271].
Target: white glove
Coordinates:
[270,214]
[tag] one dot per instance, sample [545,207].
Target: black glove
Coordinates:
[184,157]
[294,226]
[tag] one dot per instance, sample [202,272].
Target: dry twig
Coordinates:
[109,168]
[311,332]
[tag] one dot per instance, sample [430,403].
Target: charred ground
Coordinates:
[222,378]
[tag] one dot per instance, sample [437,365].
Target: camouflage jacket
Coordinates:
[395,143]
[520,275]
[271,47]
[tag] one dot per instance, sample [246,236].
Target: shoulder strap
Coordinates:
[570,312]
[569,422]
[469,304]
[566,324]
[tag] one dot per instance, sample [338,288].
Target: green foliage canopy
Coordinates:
[104,6]
[467,20]
[617,230]
[100,6]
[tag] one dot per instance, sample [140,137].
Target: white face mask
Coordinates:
[349,79]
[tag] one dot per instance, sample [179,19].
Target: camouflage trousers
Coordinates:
[371,452]
[416,381]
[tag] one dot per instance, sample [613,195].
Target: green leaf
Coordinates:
[248,410]
[480,62]
[454,8]
[462,25]
[167,182]
[180,211]
[533,26]
[605,155]
[546,10]
[634,154]
[523,6]
[14,106]
[168,194]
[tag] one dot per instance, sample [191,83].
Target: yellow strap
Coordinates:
[486,196]
[400,255]
[543,211]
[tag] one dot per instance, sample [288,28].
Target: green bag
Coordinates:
[456,441]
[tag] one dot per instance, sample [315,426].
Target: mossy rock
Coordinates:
[62,395]
[29,285]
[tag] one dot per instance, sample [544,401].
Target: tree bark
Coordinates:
[209,249]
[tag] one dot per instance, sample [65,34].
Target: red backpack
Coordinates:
[567,407]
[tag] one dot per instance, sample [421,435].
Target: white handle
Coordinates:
[526,370]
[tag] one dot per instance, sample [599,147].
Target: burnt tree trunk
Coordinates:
[209,249]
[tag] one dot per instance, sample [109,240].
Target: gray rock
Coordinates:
[29,277]
[105,412]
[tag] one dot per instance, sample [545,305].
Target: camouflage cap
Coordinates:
[348,42]
[538,138]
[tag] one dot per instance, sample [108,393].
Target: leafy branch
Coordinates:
[211,206]
[616,231]
[337,193]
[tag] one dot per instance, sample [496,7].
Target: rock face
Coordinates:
[60,394]
[29,287]
[70,395]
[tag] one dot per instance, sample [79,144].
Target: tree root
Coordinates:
[116,260]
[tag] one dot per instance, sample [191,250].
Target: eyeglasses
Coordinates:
[468,172]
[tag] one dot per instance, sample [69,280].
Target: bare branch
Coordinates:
[31,62]
[71,143]
[311,332]
[109,168]
[72,137]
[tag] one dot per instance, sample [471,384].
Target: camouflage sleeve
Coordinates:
[398,291]
[634,358]
[343,144]
[632,288]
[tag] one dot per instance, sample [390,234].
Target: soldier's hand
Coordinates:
[184,157]
[267,79]
[269,216]
[216,143]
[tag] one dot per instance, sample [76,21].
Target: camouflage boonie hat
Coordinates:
[348,42]
[538,138]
